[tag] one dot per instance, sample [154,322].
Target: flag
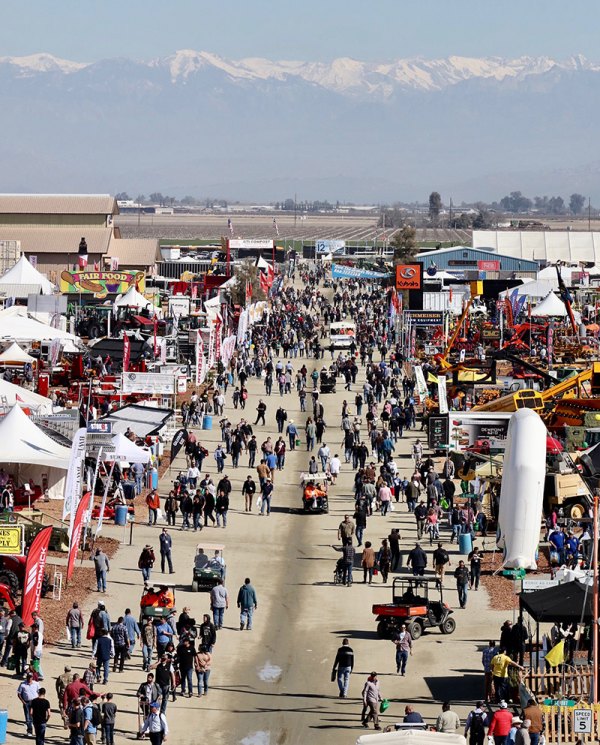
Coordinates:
[126,352]
[82,254]
[248,292]
[74,481]
[114,263]
[82,508]
[230,225]
[556,656]
[264,283]
[180,438]
[270,275]
[96,266]
[275,228]
[155,324]
[34,574]
[18,398]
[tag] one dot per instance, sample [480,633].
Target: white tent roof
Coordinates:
[411,737]
[127,451]
[24,442]
[538,288]
[10,391]
[20,328]
[14,353]
[24,273]
[133,299]
[551,305]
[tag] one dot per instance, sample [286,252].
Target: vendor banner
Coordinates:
[74,481]
[34,574]
[420,378]
[101,284]
[179,440]
[104,498]
[55,346]
[227,350]
[200,361]
[211,347]
[153,384]
[351,272]
[126,352]
[442,396]
[77,525]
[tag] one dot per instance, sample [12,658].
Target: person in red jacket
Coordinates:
[501,724]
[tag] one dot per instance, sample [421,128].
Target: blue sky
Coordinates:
[87,30]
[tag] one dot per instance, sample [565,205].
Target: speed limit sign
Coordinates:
[582,721]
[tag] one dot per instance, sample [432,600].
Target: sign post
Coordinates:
[582,721]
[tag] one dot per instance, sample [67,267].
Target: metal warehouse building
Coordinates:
[470,263]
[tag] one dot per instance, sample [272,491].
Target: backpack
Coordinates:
[96,718]
[477,725]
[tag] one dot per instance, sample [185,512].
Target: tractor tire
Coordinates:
[415,630]
[195,586]
[383,630]
[576,511]
[94,331]
[448,626]
[10,579]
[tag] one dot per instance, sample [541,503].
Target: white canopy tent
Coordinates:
[36,456]
[24,273]
[537,288]
[20,328]
[551,305]
[133,299]
[27,398]
[15,355]
[127,451]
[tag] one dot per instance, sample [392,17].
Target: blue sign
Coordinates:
[351,272]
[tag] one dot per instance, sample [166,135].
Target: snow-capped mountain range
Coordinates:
[342,75]
[197,123]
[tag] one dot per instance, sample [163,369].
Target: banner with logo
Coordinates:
[352,272]
[104,498]
[55,345]
[227,349]
[409,276]
[126,352]
[211,347]
[74,481]
[77,525]
[442,395]
[180,438]
[34,574]
[420,378]
[200,361]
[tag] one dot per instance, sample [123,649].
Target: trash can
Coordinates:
[3,724]
[207,422]
[154,474]
[121,514]
[465,544]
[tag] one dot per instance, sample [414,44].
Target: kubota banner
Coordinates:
[34,574]
[82,508]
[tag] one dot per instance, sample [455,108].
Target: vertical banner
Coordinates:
[420,378]
[126,352]
[155,325]
[34,574]
[442,396]
[74,481]
[163,351]
[218,339]
[550,341]
[55,345]
[76,527]
[200,361]
[211,347]
[413,342]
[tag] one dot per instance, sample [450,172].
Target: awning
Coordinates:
[142,420]
[566,603]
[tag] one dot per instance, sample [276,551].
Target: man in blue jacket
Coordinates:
[247,603]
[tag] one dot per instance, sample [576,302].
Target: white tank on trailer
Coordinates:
[522,490]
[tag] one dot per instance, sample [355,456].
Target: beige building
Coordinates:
[49,228]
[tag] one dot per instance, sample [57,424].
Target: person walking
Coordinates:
[133,630]
[153,502]
[324,453]
[247,603]
[346,530]
[121,641]
[27,691]
[155,725]
[202,663]
[261,410]
[394,542]
[222,508]
[475,725]
[292,432]
[342,667]
[417,559]
[219,603]
[166,543]
[462,576]
[367,562]
[103,652]
[109,716]
[448,721]
[532,713]
[148,638]
[248,492]
[384,560]
[475,559]
[102,567]
[403,642]
[146,562]
[348,554]
[371,697]
[440,559]
[501,724]
[486,660]
[74,623]
[39,711]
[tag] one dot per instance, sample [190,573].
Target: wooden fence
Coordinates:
[571,682]
[560,721]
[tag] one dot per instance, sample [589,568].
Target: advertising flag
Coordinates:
[76,527]
[82,254]
[74,479]
[126,352]
[34,574]
[442,395]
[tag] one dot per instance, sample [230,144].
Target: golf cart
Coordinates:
[327,381]
[209,566]
[314,492]
[157,603]
[411,606]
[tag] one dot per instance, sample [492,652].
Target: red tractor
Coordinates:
[12,574]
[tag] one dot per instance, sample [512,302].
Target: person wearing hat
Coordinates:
[155,725]
[501,724]
[267,493]
[292,432]
[146,561]
[516,724]
[523,735]
[371,696]
[62,682]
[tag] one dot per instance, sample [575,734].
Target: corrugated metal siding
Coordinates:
[464,258]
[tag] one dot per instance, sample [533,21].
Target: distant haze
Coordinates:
[255,129]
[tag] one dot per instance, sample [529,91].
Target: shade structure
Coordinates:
[133,299]
[13,394]
[127,451]
[19,328]
[24,274]
[566,603]
[537,288]
[24,443]
[551,305]
[14,354]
